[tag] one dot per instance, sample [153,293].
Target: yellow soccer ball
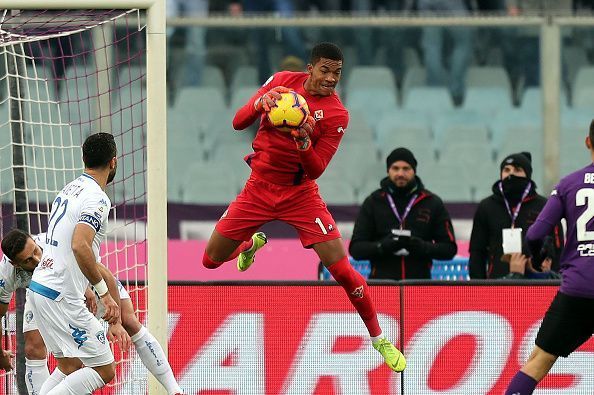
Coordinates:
[290,112]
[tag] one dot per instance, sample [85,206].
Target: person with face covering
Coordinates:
[402,227]
[511,209]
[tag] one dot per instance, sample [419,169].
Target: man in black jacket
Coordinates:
[513,204]
[402,227]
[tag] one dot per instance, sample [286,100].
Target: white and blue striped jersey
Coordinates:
[58,275]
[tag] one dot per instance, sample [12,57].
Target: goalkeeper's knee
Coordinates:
[209,263]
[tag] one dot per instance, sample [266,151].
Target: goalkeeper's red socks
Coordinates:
[210,264]
[521,384]
[356,288]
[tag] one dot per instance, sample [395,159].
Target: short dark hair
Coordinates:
[591,134]
[14,242]
[98,149]
[325,50]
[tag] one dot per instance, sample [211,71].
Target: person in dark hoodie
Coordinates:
[402,227]
[513,204]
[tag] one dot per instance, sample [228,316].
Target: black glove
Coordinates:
[418,246]
[390,244]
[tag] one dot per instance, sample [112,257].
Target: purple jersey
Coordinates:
[572,199]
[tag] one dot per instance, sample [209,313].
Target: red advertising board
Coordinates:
[307,339]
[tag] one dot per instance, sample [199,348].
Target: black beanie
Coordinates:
[401,154]
[521,159]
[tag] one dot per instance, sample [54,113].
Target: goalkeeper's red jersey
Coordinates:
[275,157]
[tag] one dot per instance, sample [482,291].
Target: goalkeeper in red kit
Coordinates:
[282,184]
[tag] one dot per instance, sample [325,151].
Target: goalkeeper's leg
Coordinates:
[148,348]
[221,249]
[334,257]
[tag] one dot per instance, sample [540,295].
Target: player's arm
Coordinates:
[5,355]
[82,241]
[314,160]
[116,332]
[259,103]
[545,223]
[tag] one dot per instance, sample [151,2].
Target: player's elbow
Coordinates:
[79,246]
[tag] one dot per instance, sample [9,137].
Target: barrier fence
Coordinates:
[305,338]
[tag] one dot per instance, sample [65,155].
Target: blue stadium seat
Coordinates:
[241,95]
[487,100]
[334,190]
[244,76]
[358,129]
[460,125]
[213,77]
[452,270]
[209,183]
[583,80]
[370,77]
[517,125]
[488,76]
[428,99]
[413,77]
[373,102]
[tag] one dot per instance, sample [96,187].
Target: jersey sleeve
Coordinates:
[95,211]
[6,282]
[316,158]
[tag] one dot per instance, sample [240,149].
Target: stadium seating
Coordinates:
[431,99]
[383,99]
[460,126]
[584,79]
[487,100]
[370,77]
[488,76]
[413,77]
[241,95]
[213,77]
[358,129]
[244,76]
[572,58]
[334,190]
[209,183]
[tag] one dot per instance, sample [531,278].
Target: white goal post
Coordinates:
[156,147]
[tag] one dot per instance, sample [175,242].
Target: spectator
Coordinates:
[521,268]
[433,42]
[185,67]
[402,226]
[292,63]
[514,204]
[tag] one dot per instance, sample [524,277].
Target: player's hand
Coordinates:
[117,334]
[91,300]
[5,363]
[268,100]
[301,134]
[112,310]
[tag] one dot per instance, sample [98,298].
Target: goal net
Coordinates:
[65,74]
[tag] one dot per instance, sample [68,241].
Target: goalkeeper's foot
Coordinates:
[393,357]
[246,258]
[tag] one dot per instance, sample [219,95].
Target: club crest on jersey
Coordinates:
[101,336]
[29,316]
[358,292]
[2,283]
[318,114]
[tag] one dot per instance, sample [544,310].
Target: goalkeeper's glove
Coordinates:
[268,100]
[302,133]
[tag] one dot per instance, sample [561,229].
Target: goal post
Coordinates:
[153,175]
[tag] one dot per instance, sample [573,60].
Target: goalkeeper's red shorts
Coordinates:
[261,201]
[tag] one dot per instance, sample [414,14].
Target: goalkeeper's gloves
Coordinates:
[268,100]
[302,133]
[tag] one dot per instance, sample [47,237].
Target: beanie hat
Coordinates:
[401,154]
[521,159]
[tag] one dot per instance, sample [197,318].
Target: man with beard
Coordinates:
[75,230]
[402,226]
[507,214]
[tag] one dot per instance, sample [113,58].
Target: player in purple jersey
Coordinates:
[569,321]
